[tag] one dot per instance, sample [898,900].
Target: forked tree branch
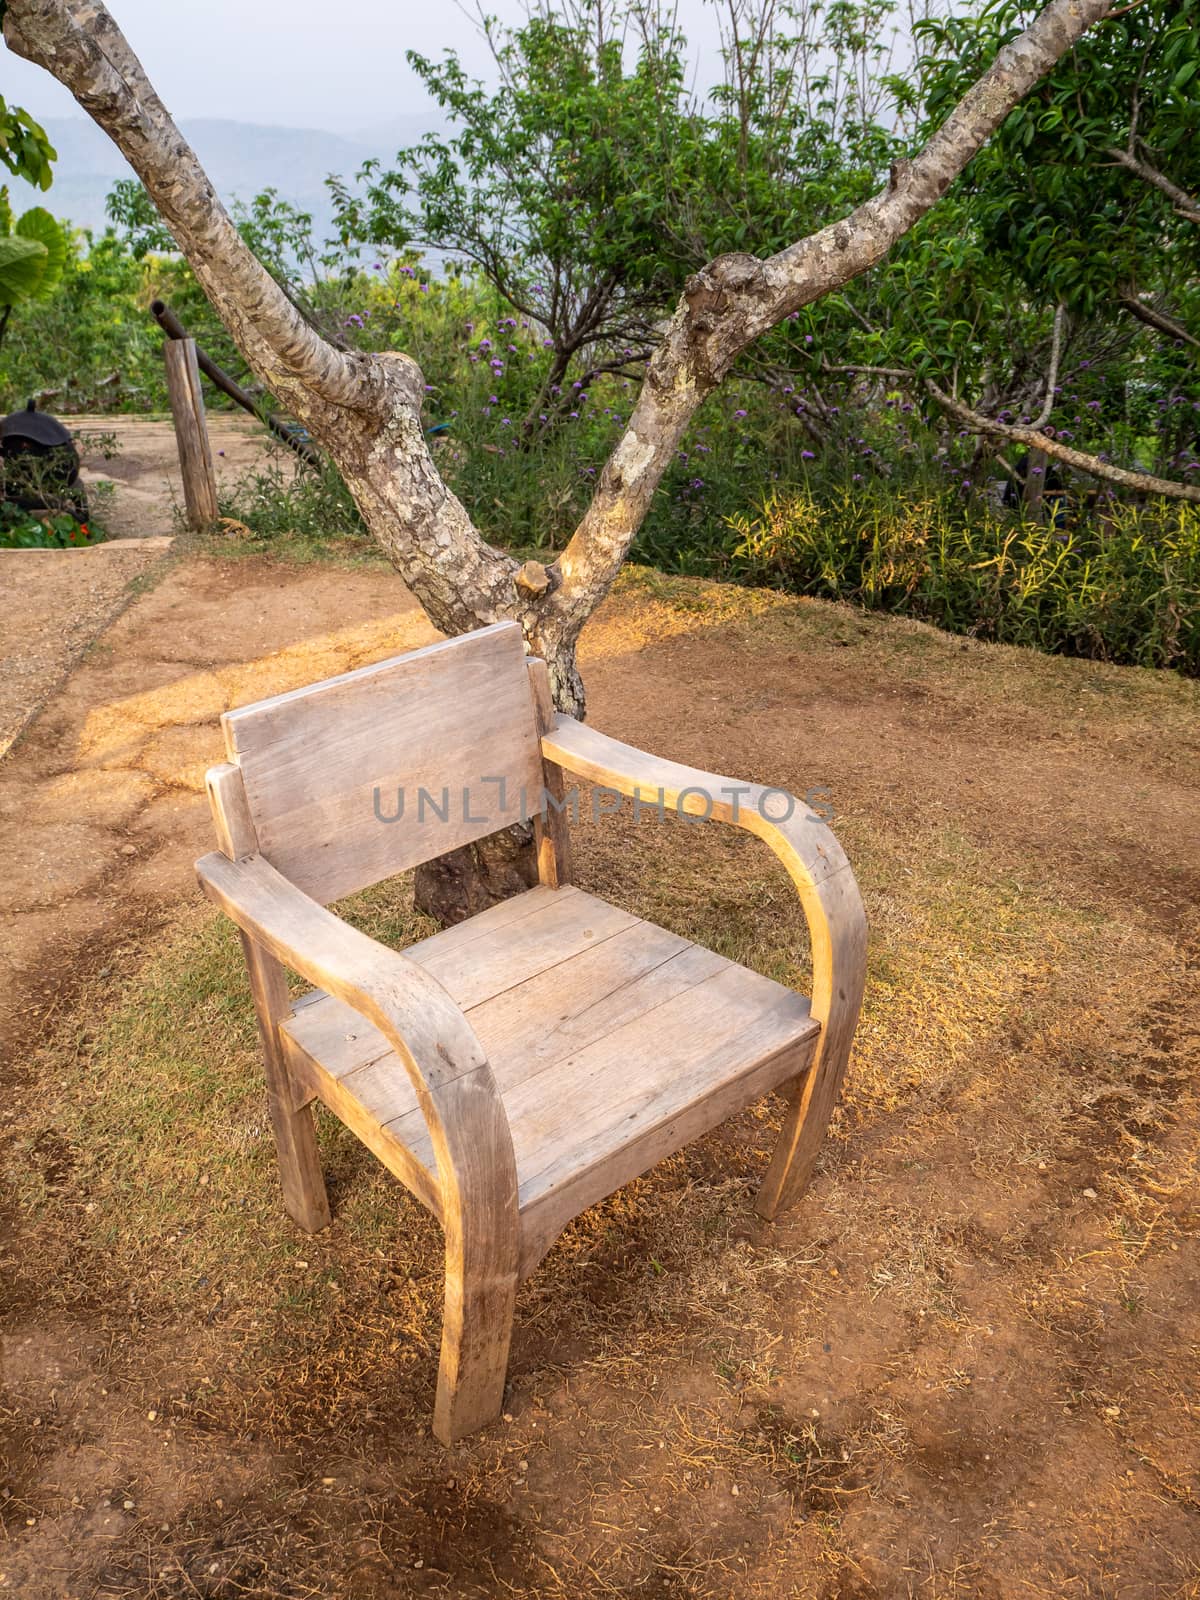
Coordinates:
[365,410]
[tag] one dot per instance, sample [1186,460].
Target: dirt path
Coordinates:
[55,603]
[965,1366]
[144,470]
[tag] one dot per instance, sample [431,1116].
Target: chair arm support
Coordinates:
[808,849]
[420,1020]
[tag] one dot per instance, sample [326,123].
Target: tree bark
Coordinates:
[1185,206]
[1143,482]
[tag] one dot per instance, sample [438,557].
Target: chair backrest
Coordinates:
[360,777]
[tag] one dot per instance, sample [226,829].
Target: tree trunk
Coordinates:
[365,410]
[464,882]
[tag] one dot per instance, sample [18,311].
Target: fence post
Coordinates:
[191,433]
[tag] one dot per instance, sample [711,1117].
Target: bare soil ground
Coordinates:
[143,473]
[55,604]
[57,601]
[966,1365]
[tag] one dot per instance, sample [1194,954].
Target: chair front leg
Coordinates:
[480,1221]
[304,1196]
[476,1333]
[839,944]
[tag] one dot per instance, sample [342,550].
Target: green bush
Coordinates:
[23,530]
[1123,586]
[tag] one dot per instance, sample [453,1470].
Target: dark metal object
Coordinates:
[39,464]
[289,433]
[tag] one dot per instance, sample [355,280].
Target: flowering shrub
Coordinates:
[23,530]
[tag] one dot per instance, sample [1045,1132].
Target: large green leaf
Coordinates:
[41,227]
[22,263]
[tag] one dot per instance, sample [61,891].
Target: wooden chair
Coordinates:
[518,1067]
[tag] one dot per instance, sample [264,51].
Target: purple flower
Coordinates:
[740,413]
[807,455]
[492,400]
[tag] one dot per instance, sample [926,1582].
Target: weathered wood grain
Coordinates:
[191,433]
[457,1095]
[518,1067]
[832,905]
[450,728]
[608,1053]
[552,832]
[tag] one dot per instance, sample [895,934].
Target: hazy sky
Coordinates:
[334,64]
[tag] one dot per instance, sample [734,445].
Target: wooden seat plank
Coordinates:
[609,1052]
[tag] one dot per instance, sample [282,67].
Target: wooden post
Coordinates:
[191,433]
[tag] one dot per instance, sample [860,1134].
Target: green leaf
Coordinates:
[40,227]
[22,262]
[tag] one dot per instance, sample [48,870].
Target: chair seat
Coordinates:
[613,1044]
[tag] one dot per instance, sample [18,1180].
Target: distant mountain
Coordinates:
[241,158]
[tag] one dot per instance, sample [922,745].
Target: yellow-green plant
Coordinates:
[1120,584]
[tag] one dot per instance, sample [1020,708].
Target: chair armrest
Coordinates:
[419,1019]
[808,849]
